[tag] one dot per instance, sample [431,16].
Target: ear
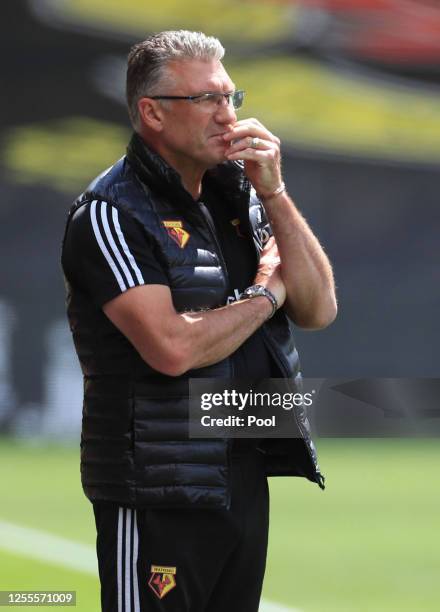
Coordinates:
[151,114]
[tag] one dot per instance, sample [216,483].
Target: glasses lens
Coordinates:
[237,99]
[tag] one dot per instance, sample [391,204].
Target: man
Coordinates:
[157,253]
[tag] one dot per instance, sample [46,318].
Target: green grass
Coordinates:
[369,543]
[17,573]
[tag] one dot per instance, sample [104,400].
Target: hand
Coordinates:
[262,157]
[269,272]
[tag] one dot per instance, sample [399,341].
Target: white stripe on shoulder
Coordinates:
[113,245]
[103,248]
[124,246]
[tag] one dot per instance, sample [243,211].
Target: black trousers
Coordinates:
[191,560]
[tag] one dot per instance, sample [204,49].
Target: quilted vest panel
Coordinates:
[135,448]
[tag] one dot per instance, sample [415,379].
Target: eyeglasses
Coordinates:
[210,101]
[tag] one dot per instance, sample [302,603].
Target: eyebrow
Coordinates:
[233,88]
[211,91]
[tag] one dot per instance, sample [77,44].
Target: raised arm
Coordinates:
[305,268]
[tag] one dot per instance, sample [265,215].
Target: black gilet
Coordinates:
[135,448]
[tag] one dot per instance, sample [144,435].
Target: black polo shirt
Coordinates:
[99,235]
[251,359]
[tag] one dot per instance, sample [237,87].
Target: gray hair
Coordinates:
[148,60]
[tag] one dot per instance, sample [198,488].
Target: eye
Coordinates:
[207,98]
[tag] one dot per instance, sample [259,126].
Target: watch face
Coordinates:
[255,290]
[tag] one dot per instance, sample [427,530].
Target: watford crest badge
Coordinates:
[176,232]
[162,580]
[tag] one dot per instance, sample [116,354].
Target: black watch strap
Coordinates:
[257,290]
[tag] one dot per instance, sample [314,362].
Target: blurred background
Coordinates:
[352,87]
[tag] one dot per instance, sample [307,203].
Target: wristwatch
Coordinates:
[257,290]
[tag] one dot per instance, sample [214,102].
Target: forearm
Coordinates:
[172,342]
[305,268]
[210,336]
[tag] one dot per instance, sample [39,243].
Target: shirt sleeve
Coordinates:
[106,253]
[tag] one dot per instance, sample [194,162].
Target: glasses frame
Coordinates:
[229,97]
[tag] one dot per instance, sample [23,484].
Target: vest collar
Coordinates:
[227,178]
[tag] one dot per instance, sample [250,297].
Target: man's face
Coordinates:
[192,132]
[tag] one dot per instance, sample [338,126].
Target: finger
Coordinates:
[250,142]
[250,121]
[242,130]
[270,250]
[270,246]
[267,156]
[255,124]
[252,131]
[269,263]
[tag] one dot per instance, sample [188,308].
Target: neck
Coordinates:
[192,184]
[190,172]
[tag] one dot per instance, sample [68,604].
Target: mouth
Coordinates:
[218,141]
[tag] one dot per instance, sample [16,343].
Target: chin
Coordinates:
[217,158]
[218,162]
[213,160]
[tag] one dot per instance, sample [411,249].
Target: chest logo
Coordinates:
[176,232]
[162,580]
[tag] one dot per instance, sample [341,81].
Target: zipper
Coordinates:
[319,478]
[210,225]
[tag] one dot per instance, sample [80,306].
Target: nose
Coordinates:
[225,112]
